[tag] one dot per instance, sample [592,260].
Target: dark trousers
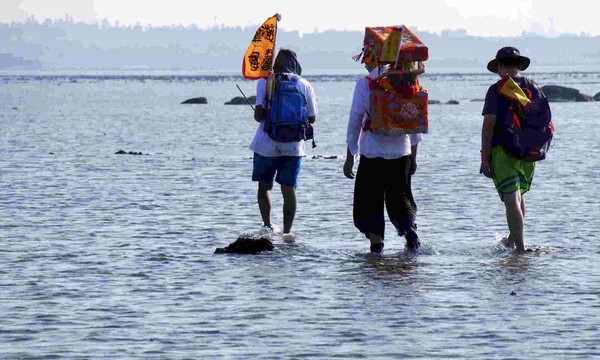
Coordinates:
[381,181]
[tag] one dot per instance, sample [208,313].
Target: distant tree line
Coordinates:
[64,44]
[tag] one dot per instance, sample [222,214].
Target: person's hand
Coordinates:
[259,113]
[413,166]
[485,169]
[348,165]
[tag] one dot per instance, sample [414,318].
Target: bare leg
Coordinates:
[376,243]
[289,207]
[264,201]
[515,219]
[374,238]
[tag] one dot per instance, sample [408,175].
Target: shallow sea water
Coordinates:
[111,256]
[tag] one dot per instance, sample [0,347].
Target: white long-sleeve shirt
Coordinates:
[365,142]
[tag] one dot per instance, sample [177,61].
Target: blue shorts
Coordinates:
[285,169]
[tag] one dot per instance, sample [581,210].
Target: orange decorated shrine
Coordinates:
[398,103]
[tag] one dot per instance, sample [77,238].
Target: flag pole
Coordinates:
[244,95]
[270,80]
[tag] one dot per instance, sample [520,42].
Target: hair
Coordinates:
[510,62]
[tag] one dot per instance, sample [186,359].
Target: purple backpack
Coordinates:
[527,132]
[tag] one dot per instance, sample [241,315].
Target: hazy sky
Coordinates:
[477,17]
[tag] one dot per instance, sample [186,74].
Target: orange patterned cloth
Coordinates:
[394,113]
[380,45]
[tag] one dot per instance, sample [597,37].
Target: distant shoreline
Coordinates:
[190,73]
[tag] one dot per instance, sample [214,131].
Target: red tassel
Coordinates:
[516,122]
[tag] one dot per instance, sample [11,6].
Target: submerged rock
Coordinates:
[239,100]
[197,100]
[326,157]
[248,245]
[123,152]
[564,94]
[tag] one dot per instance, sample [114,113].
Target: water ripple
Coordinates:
[107,255]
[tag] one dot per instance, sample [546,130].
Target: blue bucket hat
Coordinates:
[506,53]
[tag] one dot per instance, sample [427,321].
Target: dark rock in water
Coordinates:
[513,293]
[198,100]
[437,102]
[326,157]
[248,245]
[123,152]
[564,94]
[239,100]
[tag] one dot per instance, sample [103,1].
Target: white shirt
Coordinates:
[365,142]
[262,144]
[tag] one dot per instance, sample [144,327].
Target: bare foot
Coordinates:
[289,238]
[508,242]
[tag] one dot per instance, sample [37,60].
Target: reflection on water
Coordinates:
[402,266]
[515,263]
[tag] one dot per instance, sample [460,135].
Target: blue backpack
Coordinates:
[287,119]
[527,132]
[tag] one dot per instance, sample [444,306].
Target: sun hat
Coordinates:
[508,52]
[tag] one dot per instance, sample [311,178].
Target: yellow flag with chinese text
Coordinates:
[258,59]
[389,52]
[513,91]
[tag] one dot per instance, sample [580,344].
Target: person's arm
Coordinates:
[352,136]
[490,109]
[487,131]
[413,158]
[358,109]
[311,103]
[357,112]
[261,94]
[349,164]
[415,139]
[413,151]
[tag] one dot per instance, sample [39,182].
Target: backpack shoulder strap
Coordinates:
[288,77]
[295,78]
[534,88]
[373,84]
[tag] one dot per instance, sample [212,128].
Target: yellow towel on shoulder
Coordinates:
[512,90]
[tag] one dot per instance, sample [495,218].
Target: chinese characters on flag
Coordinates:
[258,59]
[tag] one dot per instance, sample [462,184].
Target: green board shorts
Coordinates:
[509,173]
